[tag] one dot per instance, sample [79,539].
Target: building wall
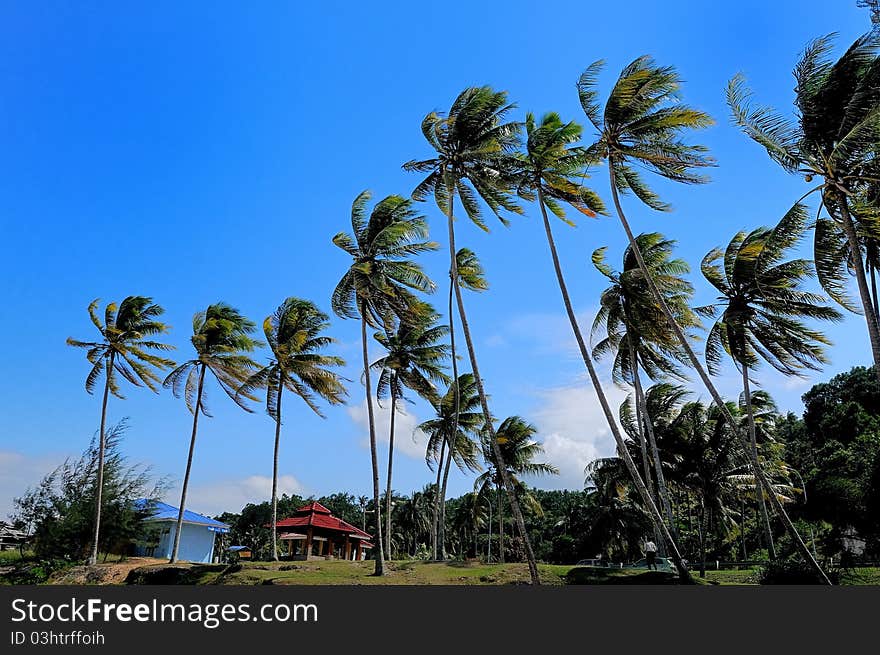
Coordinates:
[196,543]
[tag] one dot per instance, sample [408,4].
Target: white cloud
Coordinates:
[407,439]
[219,496]
[574,431]
[548,333]
[18,472]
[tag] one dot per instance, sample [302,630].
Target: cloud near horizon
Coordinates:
[407,438]
[20,472]
[574,431]
[215,497]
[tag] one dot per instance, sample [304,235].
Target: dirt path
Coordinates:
[106,573]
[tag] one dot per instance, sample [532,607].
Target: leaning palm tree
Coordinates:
[378,286]
[834,138]
[474,146]
[519,450]
[760,312]
[222,341]
[127,333]
[413,360]
[641,127]
[451,438]
[295,334]
[550,169]
[639,337]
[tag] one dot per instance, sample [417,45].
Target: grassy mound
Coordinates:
[606,576]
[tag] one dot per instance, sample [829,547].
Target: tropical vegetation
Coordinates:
[720,479]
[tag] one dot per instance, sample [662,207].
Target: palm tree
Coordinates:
[474,146]
[378,286]
[413,360]
[295,336]
[616,520]
[222,341]
[548,171]
[451,438]
[413,518]
[468,518]
[518,453]
[640,127]
[760,310]
[834,138]
[126,332]
[638,335]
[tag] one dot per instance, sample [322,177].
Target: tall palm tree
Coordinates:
[295,334]
[378,286]
[760,311]
[638,335]
[834,138]
[641,127]
[222,341]
[474,145]
[127,333]
[413,360]
[451,435]
[518,452]
[550,168]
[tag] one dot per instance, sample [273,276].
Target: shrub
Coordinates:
[792,572]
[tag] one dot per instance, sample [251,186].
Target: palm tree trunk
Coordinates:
[874,292]
[99,483]
[189,461]
[657,520]
[442,530]
[435,526]
[702,529]
[760,490]
[864,293]
[643,445]
[662,489]
[275,470]
[390,464]
[500,524]
[707,382]
[374,459]
[484,403]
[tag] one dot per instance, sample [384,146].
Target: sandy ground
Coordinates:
[105,573]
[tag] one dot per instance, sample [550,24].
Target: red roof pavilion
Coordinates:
[313,532]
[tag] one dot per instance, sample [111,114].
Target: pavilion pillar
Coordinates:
[308,549]
[347,548]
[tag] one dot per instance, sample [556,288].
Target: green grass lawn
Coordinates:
[11,556]
[354,573]
[397,573]
[335,572]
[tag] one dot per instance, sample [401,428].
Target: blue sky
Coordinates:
[197,152]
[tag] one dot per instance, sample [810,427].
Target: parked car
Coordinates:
[663,564]
[595,562]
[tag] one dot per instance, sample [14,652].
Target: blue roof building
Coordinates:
[197,536]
